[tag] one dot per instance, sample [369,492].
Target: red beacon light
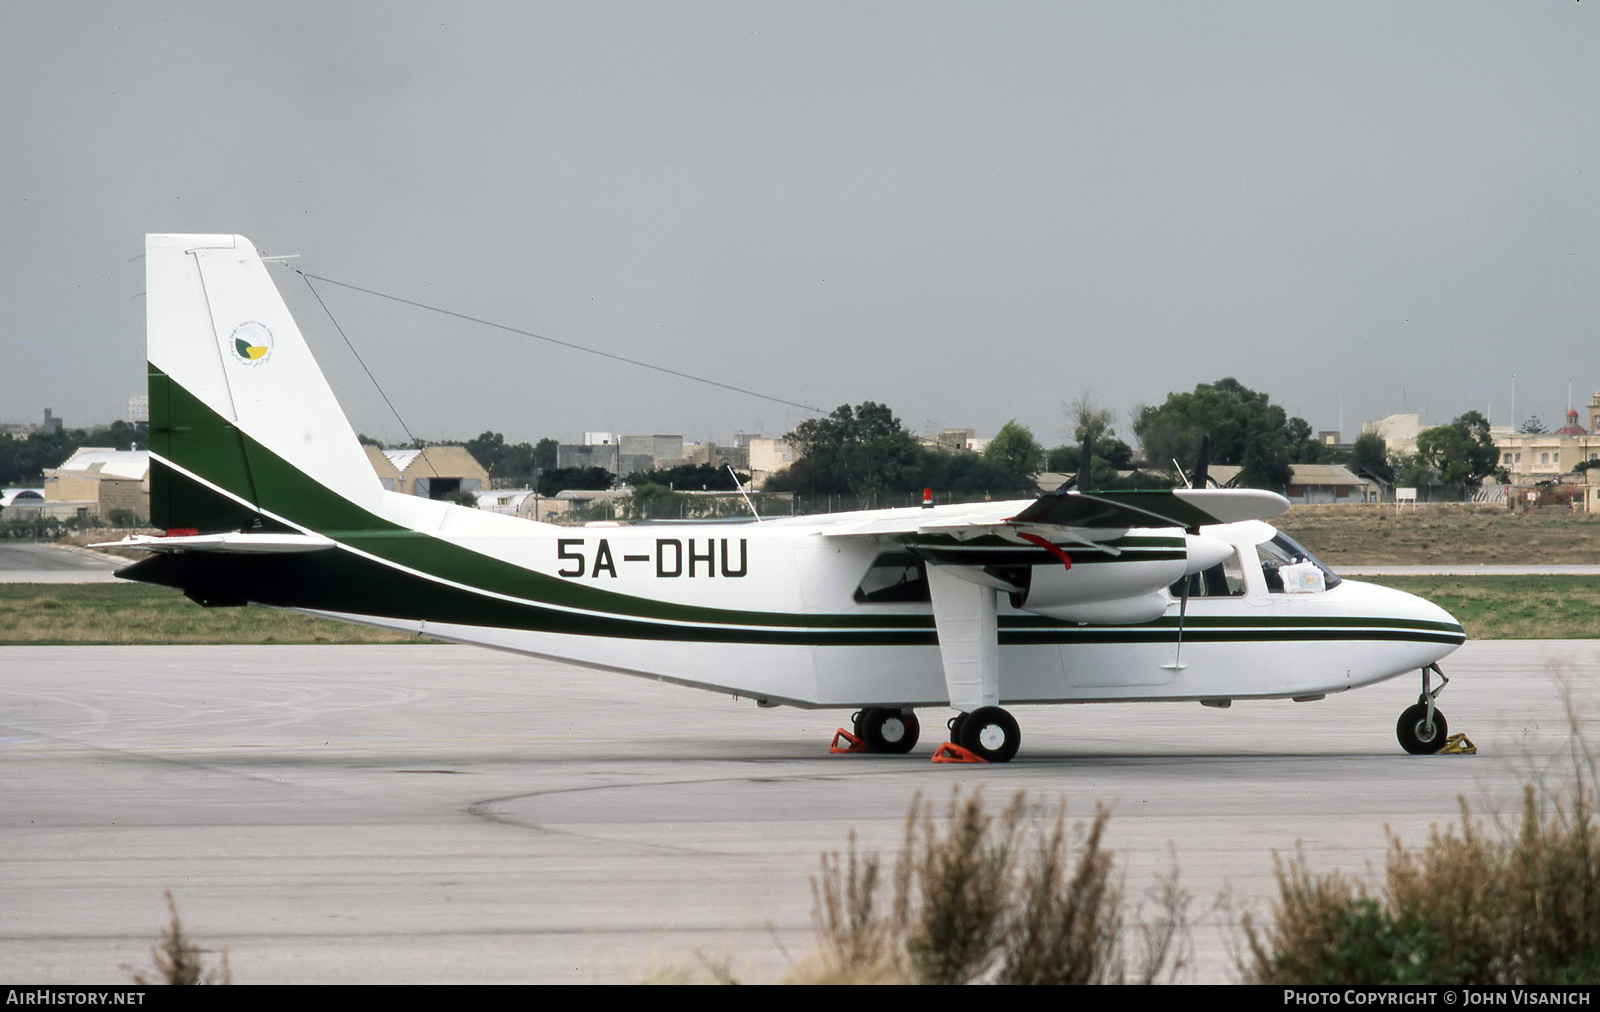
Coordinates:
[927,498]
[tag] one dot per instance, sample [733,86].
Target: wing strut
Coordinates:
[969,639]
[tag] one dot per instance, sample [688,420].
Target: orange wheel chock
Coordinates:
[855,744]
[950,752]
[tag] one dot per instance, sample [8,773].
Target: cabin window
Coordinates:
[894,578]
[1225,579]
[1285,551]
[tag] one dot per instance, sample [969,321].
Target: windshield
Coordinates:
[1286,551]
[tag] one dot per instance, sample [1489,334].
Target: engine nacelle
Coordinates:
[1116,592]
[1121,611]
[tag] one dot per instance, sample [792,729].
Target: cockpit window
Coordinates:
[1225,579]
[894,577]
[1283,551]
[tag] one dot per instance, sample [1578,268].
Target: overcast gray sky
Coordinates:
[969,212]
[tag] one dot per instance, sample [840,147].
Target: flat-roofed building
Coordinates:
[98,481]
[435,472]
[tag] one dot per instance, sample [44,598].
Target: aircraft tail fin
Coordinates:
[244,430]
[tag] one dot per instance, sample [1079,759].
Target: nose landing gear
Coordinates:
[1422,729]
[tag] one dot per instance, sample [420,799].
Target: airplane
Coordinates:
[266,497]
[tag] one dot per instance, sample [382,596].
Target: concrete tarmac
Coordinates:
[403,814]
[22,562]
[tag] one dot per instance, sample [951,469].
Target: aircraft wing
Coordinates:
[1180,507]
[1103,511]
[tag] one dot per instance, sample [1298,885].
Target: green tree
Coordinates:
[559,479]
[1245,427]
[544,454]
[1461,453]
[23,461]
[1369,457]
[861,450]
[507,462]
[487,449]
[1015,452]
[964,473]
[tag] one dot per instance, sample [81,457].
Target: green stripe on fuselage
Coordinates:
[195,438]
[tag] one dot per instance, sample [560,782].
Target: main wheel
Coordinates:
[989,732]
[954,724]
[888,730]
[1416,736]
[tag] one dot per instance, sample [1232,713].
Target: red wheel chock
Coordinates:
[855,744]
[950,752]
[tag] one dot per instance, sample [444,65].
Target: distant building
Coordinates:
[718,455]
[622,455]
[23,503]
[768,457]
[663,450]
[97,481]
[1312,484]
[436,472]
[605,455]
[1399,432]
[956,439]
[1532,457]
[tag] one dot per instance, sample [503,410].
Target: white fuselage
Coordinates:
[1253,643]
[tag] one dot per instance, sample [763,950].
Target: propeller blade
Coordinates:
[1202,464]
[1086,462]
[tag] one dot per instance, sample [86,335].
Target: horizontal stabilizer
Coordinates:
[243,544]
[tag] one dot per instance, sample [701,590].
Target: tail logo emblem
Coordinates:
[251,343]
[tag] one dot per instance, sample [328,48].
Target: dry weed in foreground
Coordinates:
[1517,904]
[988,898]
[178,960]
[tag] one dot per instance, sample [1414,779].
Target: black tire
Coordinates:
[990,732]
[954,724]
[893,731]
[1415,735]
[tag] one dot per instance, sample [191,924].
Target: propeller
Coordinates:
[1201,476]
[1086,461]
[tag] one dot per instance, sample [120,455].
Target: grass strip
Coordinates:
[1511,607]
[42,614]
[1448,535]
[134,614]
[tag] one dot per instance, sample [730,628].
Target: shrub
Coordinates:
[980,897]
[1517,905]
[178,960]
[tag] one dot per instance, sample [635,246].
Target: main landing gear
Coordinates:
[1422,729]
[988,732]
[885,729]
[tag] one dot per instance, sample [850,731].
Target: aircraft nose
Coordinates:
[1402,605]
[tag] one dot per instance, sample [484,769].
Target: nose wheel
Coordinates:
[1422,729]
